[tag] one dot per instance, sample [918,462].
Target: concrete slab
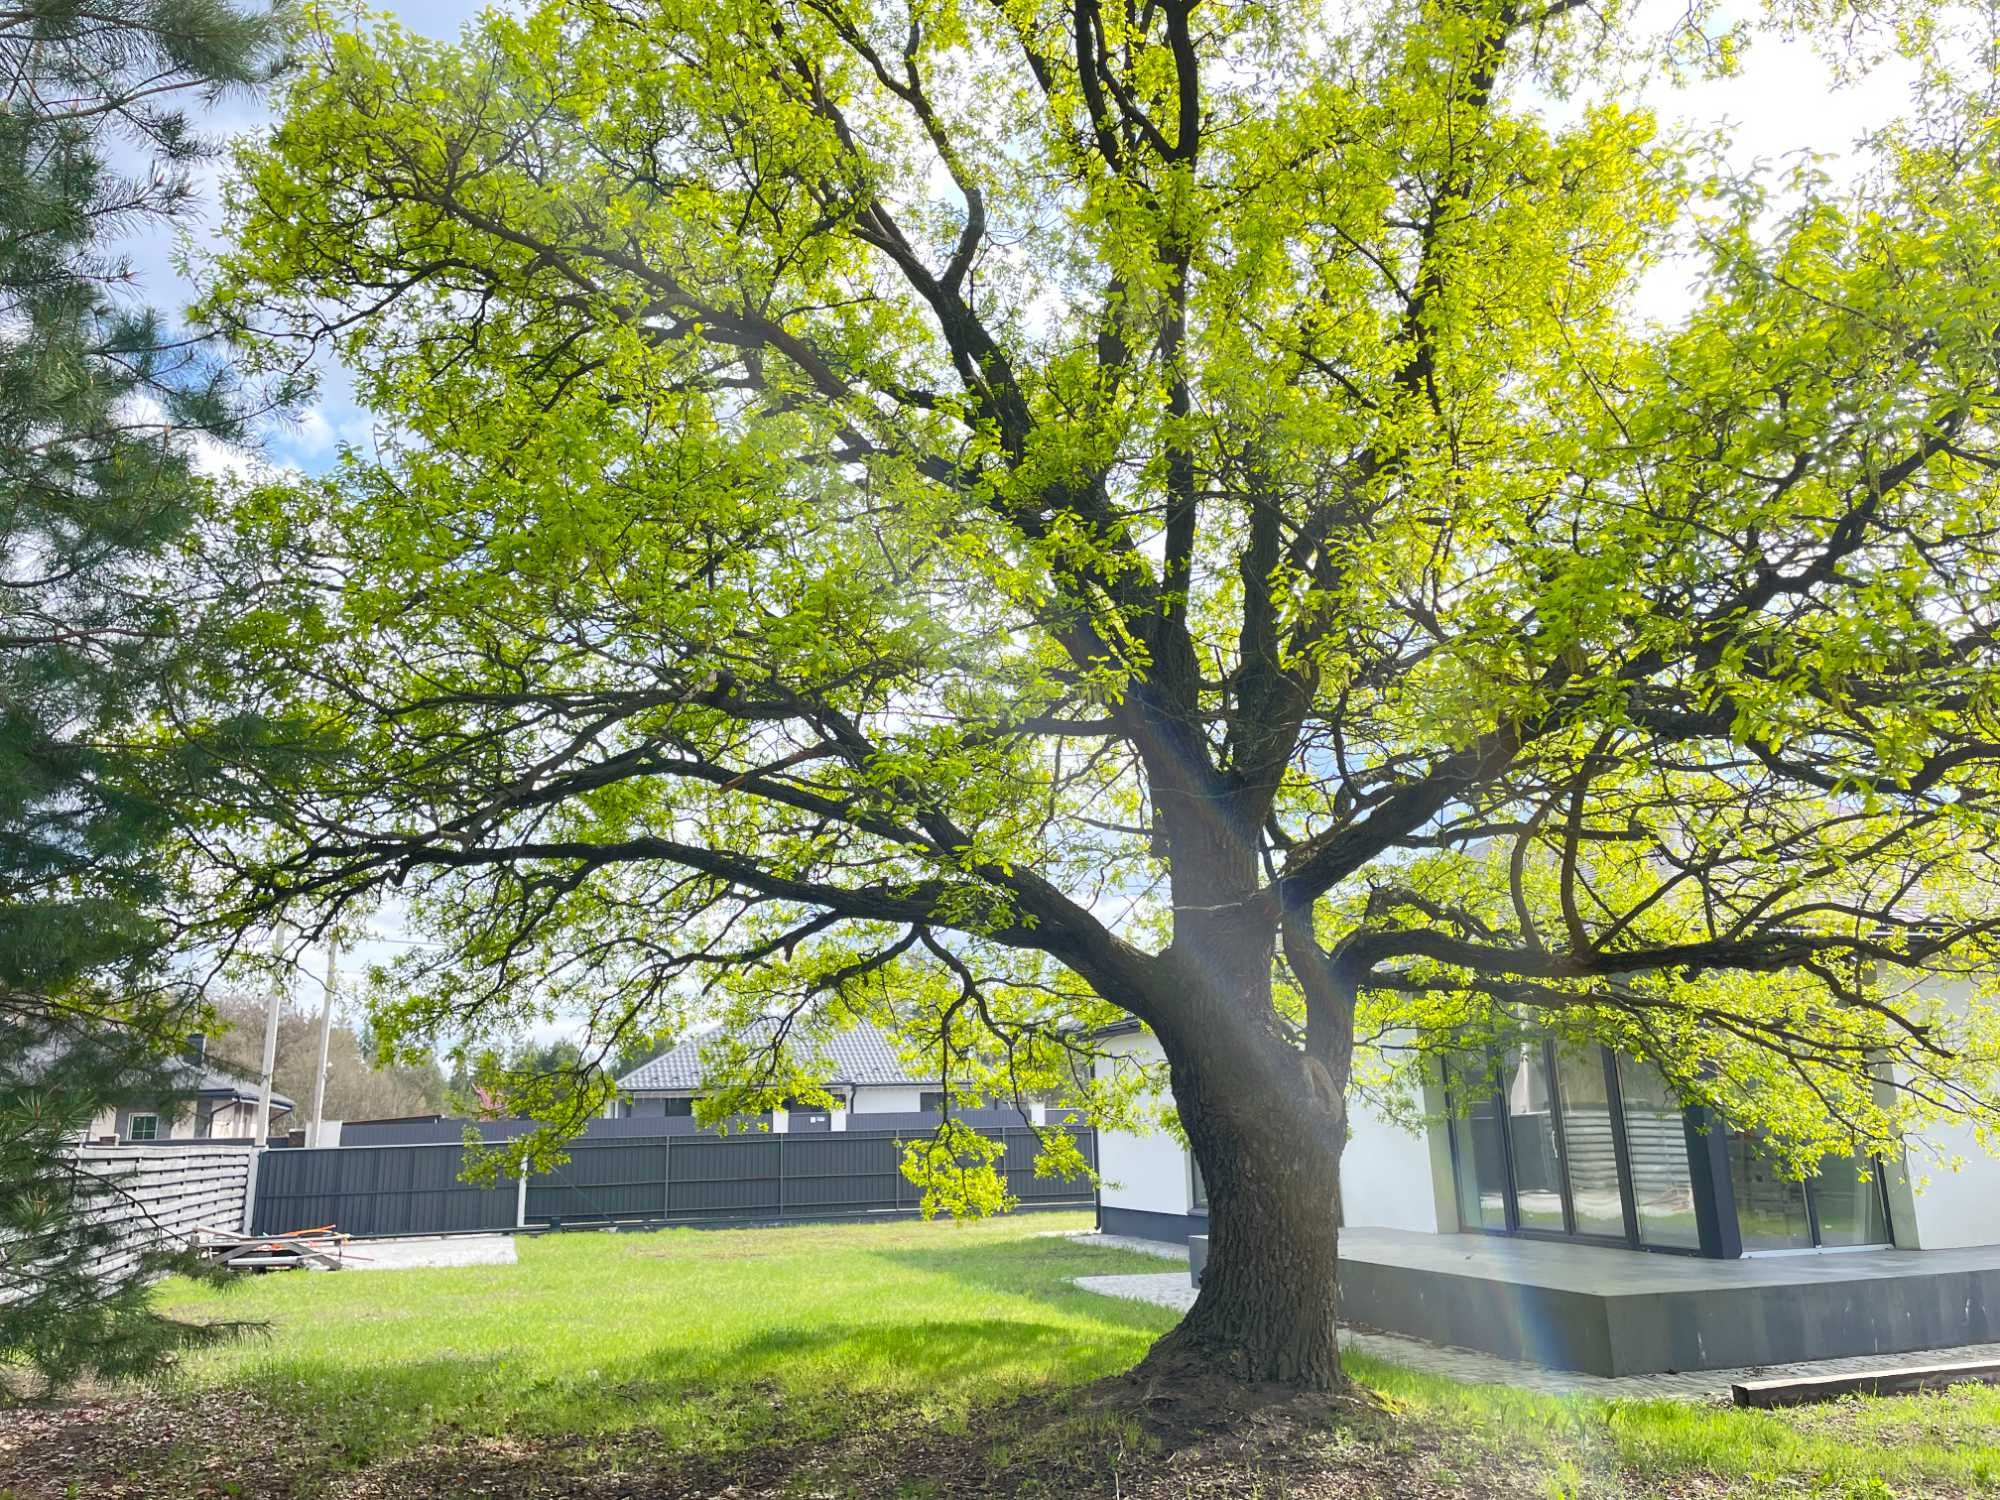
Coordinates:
[433,1251]
[1157,1249]
[1614,1313]
[1626,1312]
[1172,1290]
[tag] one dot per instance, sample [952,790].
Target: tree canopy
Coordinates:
[996,517]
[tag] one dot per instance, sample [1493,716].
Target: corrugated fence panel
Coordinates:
[452,1132]
[604,1180]
[924,1121]
[840,1174]
[387,1190]
[726,1177]
[377,1190]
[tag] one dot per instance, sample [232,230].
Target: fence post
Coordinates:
[521,1199]
[666,1177]
[250,1188]
[781,1177]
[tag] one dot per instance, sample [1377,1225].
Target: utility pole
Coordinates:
[279,992]
[325,1030]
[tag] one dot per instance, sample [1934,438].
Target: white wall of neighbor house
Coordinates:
[1385,1173]
[879,1099]
[232,1120]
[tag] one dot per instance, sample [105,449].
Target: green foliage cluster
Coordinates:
[100,404]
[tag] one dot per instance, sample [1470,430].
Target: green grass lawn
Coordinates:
[733,1353]
[688,1330]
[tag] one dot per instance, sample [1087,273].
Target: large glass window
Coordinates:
[1533,1139]
[1556,1140]
[1840,1204]
[1656,1140]
[1477,1149]
[1847,1198]
[1771,1212]
[1590,1142]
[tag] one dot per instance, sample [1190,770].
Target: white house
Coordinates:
[867,1078]
[1586,1149]
[210,1100]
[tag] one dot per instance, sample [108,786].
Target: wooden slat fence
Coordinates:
[160,1197]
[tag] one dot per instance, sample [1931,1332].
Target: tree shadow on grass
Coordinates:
[785,1385]
[1044,1268]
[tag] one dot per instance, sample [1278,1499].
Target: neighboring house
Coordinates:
[864,1075]
[211,1100]
[1587,1149]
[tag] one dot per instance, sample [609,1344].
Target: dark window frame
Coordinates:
[1715,1198]
[1510,1203]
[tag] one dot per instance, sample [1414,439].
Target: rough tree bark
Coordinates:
[1266,1119]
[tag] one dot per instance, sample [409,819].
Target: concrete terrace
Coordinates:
[1614,1313]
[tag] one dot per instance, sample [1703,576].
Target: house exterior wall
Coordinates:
[1385,1173]
[867,1099]
[876,1099]
[1945,1209]
[231,1120]
[1933,1206]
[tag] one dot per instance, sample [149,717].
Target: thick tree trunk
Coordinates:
[1266,1123]
[1266,1309]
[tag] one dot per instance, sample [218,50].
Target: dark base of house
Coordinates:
[1622,1312]
[1143,1224]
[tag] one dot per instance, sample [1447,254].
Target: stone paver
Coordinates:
[1172,1289]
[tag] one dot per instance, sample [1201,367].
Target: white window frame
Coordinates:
[132,1128]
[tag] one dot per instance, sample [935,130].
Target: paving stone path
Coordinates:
[1172,1289]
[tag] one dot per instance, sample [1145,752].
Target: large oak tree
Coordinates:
[997,515]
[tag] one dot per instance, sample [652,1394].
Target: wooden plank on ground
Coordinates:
[1799,1390]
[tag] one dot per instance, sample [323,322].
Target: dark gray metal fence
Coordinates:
[667,1179]
[375,1190]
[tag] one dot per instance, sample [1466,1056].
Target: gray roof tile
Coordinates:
[861,1055]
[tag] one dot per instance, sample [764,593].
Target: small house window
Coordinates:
[1197,1189]
[144,1128]
[682,1107]
[931,1101]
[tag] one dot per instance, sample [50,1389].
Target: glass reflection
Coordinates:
[1656,1134]
[1590,1143]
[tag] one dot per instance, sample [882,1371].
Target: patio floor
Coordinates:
[1615,1313]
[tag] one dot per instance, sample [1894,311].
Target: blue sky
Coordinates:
[311,440]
